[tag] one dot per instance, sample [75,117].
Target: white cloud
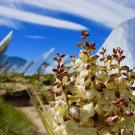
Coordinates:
[127,3]
[106,12]
[9,23]
[35,36]
[38,19]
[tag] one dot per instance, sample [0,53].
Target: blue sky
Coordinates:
[40,25]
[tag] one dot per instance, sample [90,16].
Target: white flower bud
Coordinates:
[80,81]
[78,62]
[98,109]
[133,93]
[83,73]
[105,133]
[89,95]
[87,131]
[88,109]
[59,129]
[74,112]
[81,88]
[65,80]
[81,67]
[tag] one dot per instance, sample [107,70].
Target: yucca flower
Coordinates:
[97,98]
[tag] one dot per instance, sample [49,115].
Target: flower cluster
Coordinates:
[96,98]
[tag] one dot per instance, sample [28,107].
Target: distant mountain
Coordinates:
[19,61]
[17,64]
[123,36]
[11,63]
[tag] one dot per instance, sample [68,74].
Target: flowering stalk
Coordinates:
[96,98]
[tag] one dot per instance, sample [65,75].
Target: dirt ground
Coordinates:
[30,112]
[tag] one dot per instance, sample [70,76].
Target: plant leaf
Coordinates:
[44,117]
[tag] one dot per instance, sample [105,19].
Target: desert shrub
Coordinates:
[9,89]
[3,78]
[48,79]
[14,122]
[31,78]
[44,95]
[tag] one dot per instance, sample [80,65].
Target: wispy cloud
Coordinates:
[34,18]
[9,23]
[127,3]
[106,12]
[35,36]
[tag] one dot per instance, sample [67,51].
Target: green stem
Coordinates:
[66,97]
[2,132]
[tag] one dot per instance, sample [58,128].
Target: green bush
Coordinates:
[14,122]
[44,96]
[48,79]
